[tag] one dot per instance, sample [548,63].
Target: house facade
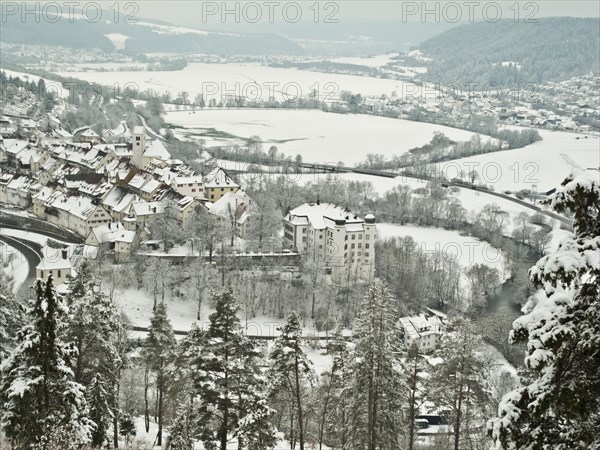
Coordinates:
[334,237]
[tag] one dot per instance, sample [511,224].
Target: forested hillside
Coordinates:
[507,53]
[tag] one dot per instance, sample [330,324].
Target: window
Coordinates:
[345,246]
[138,138]
[193,190]
[366,245]
[359,245]
[352,246]
[360,236]
[367,237]
[353,237]
[359,254]
[346,238]
[366,253]
[321,236]
[59,274]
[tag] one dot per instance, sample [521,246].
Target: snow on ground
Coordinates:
[468,249]
[117,39]
[17,266]
[253,81]
[320,137]
[544,163]
[144,441]
[40,239]
[137,306]
[367,61]
[51,86]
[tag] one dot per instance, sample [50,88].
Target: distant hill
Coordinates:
[506,53]
[143,36]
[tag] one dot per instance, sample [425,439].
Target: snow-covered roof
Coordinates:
[54,263]
[113,232]
[323,215]
[14,146]
[151,186]
[231,201]
[422,325]
[156,149]
[147,208]
[218,178]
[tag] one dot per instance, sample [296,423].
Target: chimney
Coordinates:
[64,253]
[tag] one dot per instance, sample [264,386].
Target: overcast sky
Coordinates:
[203,14]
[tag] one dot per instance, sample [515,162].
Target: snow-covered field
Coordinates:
[137,305]
[468,249]
[545,163]
[316,135]
[250,80]
[144,441]
[17,265]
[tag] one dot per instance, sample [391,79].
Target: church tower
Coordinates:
[138,142]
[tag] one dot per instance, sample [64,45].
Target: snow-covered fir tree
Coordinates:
[333,401]
[290,371]
[181,430]
[42,405]
[558,406]
[11,314]
[100,411]
[92,321]
[374,392]
[159,351]
[458,384]
[229,386]
[414,379]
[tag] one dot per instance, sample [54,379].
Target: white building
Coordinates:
[191,186]
[332,235]
[57,265]
[234,207]
[78,213]
[113,237]
[217,183]
[426,330]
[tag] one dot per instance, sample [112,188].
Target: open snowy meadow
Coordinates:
[316,135]
[539,166]
[252,81]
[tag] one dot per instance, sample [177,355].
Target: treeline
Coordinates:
[9,92]
[441,148]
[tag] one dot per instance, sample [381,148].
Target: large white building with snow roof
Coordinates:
[340,240]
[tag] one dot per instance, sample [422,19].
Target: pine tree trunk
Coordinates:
[412,407]
[146,411]
[161,386]
[299,404]
[225,423]
[457,419]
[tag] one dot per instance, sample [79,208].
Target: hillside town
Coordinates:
[111,188]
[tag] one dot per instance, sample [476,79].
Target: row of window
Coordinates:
[352,246]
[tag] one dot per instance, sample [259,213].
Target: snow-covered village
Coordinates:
[269,226]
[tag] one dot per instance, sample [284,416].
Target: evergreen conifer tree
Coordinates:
[42,405]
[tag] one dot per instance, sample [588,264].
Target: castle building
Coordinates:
[334,237]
